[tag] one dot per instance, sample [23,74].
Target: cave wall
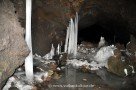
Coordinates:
[13,48]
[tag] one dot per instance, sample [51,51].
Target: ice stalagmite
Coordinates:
[29,58]
[102,42]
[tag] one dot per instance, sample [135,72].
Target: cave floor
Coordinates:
[51,75]
[73,79]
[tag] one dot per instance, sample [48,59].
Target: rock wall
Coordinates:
[13,48]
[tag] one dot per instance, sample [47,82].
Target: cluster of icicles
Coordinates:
[71,37]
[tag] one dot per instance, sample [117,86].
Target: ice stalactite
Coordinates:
[50,54]
[71,37]
[29,58]
[102,42]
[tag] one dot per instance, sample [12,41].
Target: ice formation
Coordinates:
[50,54]
[133,71]
[102,42]
[17,83]
[29,58]
[58,51]
[78,63]
[38,76]
[20,81]
[125,71]
[71,37]
[104,53]
[67,39]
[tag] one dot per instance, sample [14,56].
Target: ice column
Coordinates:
[29,58]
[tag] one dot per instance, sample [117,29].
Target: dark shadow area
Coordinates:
[112,32]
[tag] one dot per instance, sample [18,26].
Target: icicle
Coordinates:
[58,49]
[71,38]
[29,58]
[76,35]
[102,42]
[52,51]
[66,41]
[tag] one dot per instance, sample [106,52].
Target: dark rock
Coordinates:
[131,46]
[117,64]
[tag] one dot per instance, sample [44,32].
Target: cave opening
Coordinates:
[112,32]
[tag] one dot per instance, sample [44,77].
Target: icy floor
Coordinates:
[93,59]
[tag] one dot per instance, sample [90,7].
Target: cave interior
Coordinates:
[113,20]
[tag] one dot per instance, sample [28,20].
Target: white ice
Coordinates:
[102,42]
[71,37]
[20,81]
[125,71]
[50,54]
[58,51]
[29,58]
[77,63]
[104,53]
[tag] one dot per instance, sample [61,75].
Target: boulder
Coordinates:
[118,63]
[13,48]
